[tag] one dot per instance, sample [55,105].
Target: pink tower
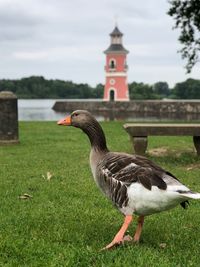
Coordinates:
[116,87]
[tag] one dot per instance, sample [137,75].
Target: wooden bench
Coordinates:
[139,133]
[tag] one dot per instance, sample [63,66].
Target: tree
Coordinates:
[141,91]
[189,89]
[187,16]
[98,91]
[161,89]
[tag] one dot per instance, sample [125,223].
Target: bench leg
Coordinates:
[196,140]
[140,144]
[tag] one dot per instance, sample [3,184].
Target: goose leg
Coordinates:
[119,238]
[139,229]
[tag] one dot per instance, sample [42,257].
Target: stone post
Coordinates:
[8,118]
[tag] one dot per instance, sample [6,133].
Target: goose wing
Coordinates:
[129,169]
[118,171]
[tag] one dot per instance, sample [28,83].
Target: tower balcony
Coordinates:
[110,69]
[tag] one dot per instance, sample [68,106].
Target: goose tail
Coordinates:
[190,194]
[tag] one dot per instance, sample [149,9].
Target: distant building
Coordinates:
[116,86]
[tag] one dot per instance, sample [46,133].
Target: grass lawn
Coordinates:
[67,220]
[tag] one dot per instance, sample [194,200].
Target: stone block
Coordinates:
[8,118]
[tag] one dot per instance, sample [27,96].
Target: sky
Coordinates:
[65,39]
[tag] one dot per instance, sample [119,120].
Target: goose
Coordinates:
[135,184]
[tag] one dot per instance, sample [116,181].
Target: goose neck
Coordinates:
[96,136]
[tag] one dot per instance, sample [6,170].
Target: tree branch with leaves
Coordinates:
[187,16]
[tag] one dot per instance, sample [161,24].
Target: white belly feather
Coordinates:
[145,202]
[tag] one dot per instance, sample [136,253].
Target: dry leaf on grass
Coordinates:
[25,196]
[163,245]
[48,176]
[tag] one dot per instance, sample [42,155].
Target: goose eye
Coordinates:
[75,114]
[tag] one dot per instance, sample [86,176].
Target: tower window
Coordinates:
[112,64]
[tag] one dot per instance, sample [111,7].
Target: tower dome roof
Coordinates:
[116,45]
[116,32]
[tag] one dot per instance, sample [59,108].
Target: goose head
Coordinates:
[84,120]
[79,118]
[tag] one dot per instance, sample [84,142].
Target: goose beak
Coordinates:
[66,121]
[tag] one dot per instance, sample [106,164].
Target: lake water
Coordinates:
[41,110]
[37,110]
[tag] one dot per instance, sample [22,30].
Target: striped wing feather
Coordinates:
[130,169]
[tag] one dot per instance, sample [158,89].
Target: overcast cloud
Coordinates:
[63,39]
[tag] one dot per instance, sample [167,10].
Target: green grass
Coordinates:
[68,220]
